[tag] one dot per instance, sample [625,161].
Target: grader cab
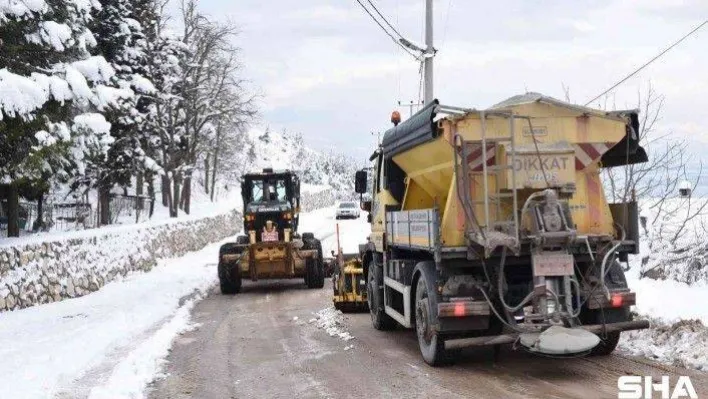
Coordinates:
[271,247]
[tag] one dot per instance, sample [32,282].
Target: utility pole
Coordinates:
[429,52]
[378,137]
[426,53]
[410,106]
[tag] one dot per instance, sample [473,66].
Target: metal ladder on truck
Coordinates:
[499,233]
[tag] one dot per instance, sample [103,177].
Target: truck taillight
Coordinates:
[459,309]
[616,301]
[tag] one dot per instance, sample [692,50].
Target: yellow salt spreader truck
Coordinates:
[492,227]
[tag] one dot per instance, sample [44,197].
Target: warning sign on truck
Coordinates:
[535,169]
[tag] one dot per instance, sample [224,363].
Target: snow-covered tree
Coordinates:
[121,41]
[51,87]
[163,131]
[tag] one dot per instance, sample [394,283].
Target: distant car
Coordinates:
[347,210]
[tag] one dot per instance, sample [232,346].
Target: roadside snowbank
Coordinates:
[681,344]
[669,278]
[112,339]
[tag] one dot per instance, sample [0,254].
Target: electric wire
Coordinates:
[386,31]
[384,19]
[650,61]
[447,21]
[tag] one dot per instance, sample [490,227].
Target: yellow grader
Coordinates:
[271,247]
[492,227]
[348,283]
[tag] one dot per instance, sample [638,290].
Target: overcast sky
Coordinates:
[326,70]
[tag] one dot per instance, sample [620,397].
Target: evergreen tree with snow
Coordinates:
[121,41]
[51,87]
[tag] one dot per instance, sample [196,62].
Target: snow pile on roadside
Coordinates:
[139,368]
[671,284]
[112,339]
[332,321]
[681,344]
[669,300]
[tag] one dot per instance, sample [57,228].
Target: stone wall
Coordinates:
[42,270]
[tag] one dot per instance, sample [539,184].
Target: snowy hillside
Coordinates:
[263,148]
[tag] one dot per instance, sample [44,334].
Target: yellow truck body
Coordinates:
[459,193]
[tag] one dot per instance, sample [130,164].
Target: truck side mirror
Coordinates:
[366,206]
[360,180]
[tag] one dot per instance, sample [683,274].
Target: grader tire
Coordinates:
[229,279]
[229,276]
[314,268]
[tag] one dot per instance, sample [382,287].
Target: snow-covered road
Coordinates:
[110,344]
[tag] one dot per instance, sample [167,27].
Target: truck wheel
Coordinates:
[609,341]
[432,345]
[242,240]
[615,279]
[375,297]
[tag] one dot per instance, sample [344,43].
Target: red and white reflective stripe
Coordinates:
[587,153]
[474,159]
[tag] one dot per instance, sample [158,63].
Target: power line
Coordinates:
[447,21]
[384,19]
[385,30]
[650,61]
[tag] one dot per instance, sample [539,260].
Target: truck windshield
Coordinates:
[347,205]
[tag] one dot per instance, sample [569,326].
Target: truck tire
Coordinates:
[375,296]
[615,279]
[229,276]
[609,341]
[314,268]
[432,345]
[242,240]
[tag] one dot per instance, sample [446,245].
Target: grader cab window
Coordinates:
[269,190]
[257,192]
